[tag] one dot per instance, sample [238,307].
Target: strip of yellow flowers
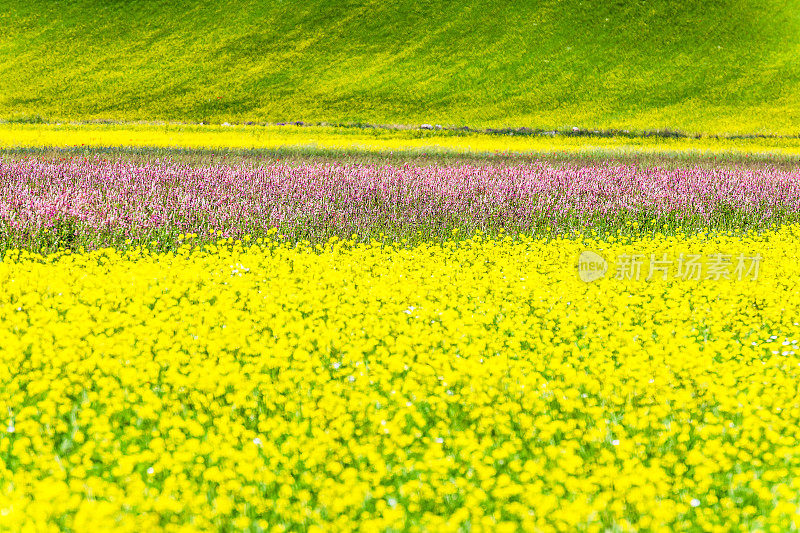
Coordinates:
[372,140]
[478,384]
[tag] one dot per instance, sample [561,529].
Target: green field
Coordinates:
[697,67]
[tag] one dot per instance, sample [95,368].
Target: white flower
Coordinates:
[257,441]
[11,428]
[695,502]
[615,442]
[151,470]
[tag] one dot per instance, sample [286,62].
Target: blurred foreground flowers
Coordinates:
[477,384]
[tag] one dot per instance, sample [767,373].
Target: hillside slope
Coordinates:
[725,66]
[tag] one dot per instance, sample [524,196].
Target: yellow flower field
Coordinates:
[131,136]
[474,384]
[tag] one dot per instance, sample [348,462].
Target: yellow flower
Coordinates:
[475,384]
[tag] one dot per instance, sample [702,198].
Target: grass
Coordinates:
[75,237]
[381,142]
[698,67]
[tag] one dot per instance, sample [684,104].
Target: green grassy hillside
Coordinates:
[725,66]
